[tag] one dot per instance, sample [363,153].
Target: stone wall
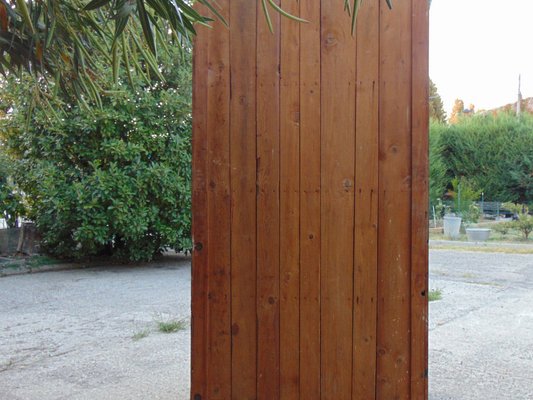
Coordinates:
[24,240]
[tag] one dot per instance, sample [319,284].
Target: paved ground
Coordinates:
[70,334]
[481,332]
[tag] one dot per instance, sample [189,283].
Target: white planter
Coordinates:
[452,225]
[477,234]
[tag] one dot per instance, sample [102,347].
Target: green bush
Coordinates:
[464,195]
[438,178]
[502,228]
[110,180]
[494,152]
[524,222]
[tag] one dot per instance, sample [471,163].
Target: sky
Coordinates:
[478,48]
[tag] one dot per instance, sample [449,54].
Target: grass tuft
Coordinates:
[171,326]
[140,335]
[435,295]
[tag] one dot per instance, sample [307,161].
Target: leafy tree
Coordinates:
[111,178]
[436,106]
[457,111]
[66,38]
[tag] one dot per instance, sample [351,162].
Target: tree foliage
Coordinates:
[65,39]
[436,106]
[113,178]
[438,177]
[495,154]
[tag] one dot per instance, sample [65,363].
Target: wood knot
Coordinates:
[347,184]
[330,40]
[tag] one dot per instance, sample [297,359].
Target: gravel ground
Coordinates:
[77,334]
[481,332]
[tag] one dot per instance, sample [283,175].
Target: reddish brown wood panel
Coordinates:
[366,203]
[243,201]
[394,246]
[268,211]
[310,203]
[290,205]
[337,201]
[310,218]
[419,201]
[218,199]
[200,227]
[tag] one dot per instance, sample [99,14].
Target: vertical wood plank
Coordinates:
[243,205]
[366,202]
[420,171]
[298,292]
[337,199]
[218,144]
[199,219]
[310,235]
[289,205]
[268,245]
[394,258]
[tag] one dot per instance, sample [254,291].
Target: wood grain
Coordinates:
[394,257]
[268,223]
[200,226]
[337,201]
[218,192]
[419,201]
[310,203]
[243,204]
[290,205]
[310,231]
[366,203]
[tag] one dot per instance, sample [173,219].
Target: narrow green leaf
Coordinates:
[96,4]
[25,13]
[267,15]
[389,3]
[285,13]
[116,64]
[146,26]
[149,58]
[120,25]
[356,6]
[126,60]
[347,7]
[219,16]
[51,32]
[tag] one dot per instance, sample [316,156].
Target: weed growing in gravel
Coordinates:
[434,295]
[140,335]
[171,326]
[11,265]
